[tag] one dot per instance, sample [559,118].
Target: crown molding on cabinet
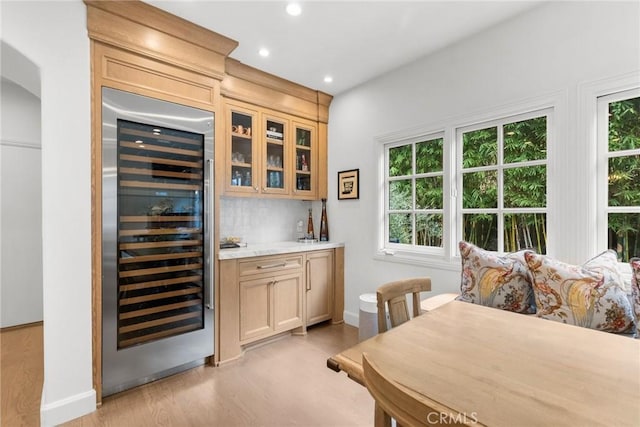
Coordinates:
[248,84]
[149,31]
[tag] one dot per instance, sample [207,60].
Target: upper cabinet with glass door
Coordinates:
[271,154]
[275,155]
[306,160]
[242,152]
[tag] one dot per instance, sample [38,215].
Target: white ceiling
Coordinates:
[353,41]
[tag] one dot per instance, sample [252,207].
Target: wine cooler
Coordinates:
[157,284]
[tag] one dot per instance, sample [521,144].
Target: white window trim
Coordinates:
[450,258]
[399,247]
[588,95]
[499,168]
[602,170]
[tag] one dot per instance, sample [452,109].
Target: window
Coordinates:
[414,202]
[503,183]
[619,141]
[485,183]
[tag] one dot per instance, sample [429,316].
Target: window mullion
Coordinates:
[500,174]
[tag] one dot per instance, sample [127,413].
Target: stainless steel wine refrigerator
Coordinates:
[157,283]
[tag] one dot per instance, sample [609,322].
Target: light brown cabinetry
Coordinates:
[264,296]
[138,48]
[290,131]
[270,296]
[242,153]
[270,154]
[306,157]
[319,287]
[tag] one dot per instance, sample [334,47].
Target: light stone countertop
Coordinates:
[275,248]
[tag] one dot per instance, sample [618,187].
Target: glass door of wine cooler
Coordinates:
[157,281]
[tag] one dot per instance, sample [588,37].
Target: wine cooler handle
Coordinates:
[308,275]
[208,223]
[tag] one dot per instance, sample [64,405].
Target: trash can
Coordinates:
[368,317]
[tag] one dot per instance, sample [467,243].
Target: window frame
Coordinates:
[413,248]
[602,102]
[500,167]
[448,258]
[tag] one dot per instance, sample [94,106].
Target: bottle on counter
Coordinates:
[310,232]
[324,224]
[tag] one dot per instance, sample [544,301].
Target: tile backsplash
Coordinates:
[258,220]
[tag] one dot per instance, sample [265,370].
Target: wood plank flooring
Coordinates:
[21,375]
[283,383]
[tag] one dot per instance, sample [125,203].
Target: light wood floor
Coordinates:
[21,376]
[283,383]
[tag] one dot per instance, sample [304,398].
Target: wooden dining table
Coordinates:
[491,367]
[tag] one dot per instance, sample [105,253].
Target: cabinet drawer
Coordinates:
[270,265]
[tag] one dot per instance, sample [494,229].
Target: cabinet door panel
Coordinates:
[319,286]
[275,155]
[306,160]
[242,151]
[287,300]
[255,308]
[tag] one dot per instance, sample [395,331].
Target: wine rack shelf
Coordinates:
[160,233]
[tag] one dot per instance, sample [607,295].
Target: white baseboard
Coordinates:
[350,318]
[61,411]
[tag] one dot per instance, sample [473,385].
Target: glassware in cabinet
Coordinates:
[305,160]
[275,156]
[242,171]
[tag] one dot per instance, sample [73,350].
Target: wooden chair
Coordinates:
[394,294]
[392,400]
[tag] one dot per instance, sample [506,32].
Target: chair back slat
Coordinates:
[393,297]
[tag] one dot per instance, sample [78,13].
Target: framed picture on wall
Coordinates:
[348,184]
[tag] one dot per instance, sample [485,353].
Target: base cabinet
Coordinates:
[260,297]
[319,286]
[269,305]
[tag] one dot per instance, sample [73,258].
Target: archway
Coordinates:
[20,191]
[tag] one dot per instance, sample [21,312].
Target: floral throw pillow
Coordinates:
[499,281]
[635,290]
[590,295]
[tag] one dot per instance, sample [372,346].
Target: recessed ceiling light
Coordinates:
[264,52]
[328,79]
[294,9]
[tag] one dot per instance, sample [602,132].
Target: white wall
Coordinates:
[53,36]
[550,50]
[21,207]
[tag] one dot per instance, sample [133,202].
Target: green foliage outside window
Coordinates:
[624,177]
[480,148]
[425,225]
[524,186]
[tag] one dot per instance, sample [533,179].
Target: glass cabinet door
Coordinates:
[275,156]
[242,171]
[305,160]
